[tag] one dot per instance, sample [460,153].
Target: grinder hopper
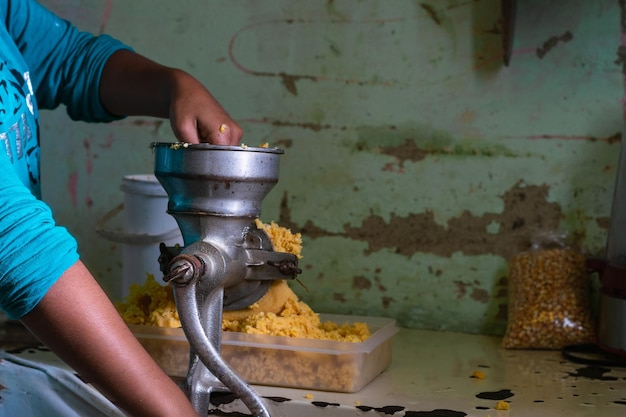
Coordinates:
[215,194]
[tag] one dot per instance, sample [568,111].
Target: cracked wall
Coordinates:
[416,162]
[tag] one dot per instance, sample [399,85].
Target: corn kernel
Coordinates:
[548,300]
[502,405]
[478,375]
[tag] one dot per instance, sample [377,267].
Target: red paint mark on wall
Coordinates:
[89,161]
[88,169]
[72,187]
[108,6]
[108,142]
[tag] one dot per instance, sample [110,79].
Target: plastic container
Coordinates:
[284,361]
[146,224]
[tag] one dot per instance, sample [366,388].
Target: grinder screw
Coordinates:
[183,269]
[286,267]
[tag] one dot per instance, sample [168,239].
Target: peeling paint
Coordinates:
[603,222]
[431,12]
[339,297]
[316,127]
[477,294]
[88,158]
[408,151]
[361,283]
[461,288]
[480,294]
[503,312]
[553,42]
[289,81]
[526,211]
[386,301]
[621,52]
[144,122]
[283,143]
[610,139]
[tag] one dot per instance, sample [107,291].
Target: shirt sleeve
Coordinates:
[34,251]
[65,63]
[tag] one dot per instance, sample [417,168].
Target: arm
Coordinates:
[134,85]
[101,349]
[43,283]
[87,73]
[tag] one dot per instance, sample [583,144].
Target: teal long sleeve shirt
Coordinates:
[45,62]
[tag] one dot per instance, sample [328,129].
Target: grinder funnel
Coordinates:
[216,180]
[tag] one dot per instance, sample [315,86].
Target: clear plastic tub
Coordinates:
[284,361]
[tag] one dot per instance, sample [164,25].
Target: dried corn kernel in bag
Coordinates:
[549,305]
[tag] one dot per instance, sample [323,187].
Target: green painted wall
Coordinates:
[416,162]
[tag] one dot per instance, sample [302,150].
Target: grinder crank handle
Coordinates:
[185,273]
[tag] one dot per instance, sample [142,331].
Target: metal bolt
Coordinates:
[286,267]
[184,268]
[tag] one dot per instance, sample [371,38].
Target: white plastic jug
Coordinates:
[145,225]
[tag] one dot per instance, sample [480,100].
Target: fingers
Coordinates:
[229,133]
[196,116]
[195,131]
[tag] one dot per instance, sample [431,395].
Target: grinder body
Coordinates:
[215,194]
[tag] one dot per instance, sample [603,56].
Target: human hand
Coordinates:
[134,85]
[196,116]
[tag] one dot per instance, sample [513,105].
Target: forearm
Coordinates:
[133,85]
[78,323]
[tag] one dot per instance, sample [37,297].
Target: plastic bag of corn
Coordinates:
[549,291]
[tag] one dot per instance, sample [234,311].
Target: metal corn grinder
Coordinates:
[612,271]
[226,263]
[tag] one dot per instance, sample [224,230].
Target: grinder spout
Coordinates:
[215,194]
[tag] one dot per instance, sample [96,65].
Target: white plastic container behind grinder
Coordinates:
[145,225]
